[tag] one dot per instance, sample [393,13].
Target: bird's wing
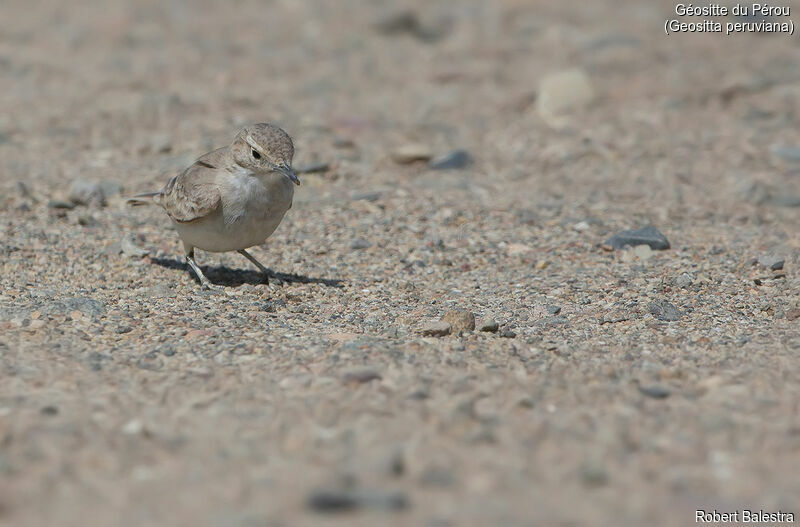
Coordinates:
[193,194]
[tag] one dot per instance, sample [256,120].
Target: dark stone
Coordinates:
[332,501]
[49,410]
[507,334]
[360,243]
[665,311]
[656,391]
[787,153]
[367,196]
[553,310]
[361,376]
[60,204]
[312,168]
[645,236]
[451,161]
[772,261]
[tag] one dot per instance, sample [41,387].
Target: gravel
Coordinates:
[178,406]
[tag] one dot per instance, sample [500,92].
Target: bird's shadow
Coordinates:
[225,276]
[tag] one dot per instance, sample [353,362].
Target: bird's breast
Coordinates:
[249,198]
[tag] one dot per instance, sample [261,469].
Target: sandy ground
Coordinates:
[626,387]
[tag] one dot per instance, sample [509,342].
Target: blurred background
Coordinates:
[452,153]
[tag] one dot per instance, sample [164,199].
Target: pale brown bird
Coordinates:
[231,198]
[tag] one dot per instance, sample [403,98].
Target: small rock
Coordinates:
[311,168]
[452,161]
[109,187]
[327,501]
[435,476]
[24,191]
[793,314]
[360,243]
[553,310]
[643,252]
[564,90]
[489,325]
[645,236]
[593,474]
[129,248]
[683,281]
[60,204]
[656,391]
[514,249]
[787,153]
[407,22]
[665,311]
[83,192]
[133,427]
[151,361]
[507,334]
[786,200]
[361,376]
[772,261]
[366,196]
[460,320]
[438,328]
[49,410]
[411,153]
[343,142]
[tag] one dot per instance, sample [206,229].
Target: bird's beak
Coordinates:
[287,171]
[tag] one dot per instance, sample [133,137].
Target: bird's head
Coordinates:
[263,148]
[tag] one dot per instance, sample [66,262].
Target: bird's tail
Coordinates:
[142,199]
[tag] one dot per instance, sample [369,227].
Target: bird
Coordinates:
[231,198]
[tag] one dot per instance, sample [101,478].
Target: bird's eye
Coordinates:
[256,155]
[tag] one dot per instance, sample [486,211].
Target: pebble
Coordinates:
[562,91]
[460,320]
[360,243]
[643,252]
[453,161]
[49,410]
[312,168]
[361,376]
[331,501]
[553,310]
[129,248]
[787,153]
[84,192]
[438,328]
[366,196]
[407,22]
[649,235]
[489,325]
[411,153]
[772,261]
[683,281]
[151,361]
[507,334]
[656,391]
[665,311]
[594,474]
[60,204]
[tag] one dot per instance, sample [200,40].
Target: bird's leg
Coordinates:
[256,263]
[203,280]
